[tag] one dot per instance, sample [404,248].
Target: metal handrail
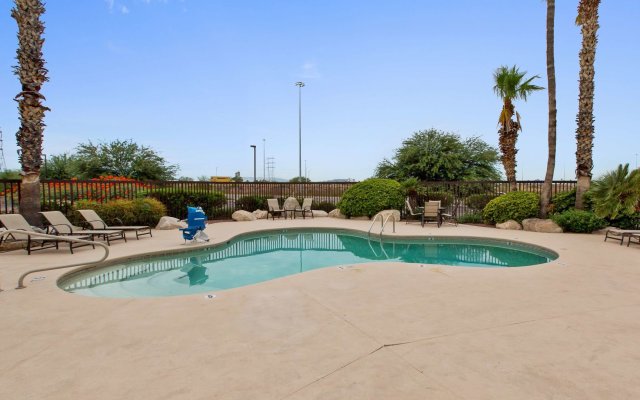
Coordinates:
[374,221]
[55,237]
[387,220]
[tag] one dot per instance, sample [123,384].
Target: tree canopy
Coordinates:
[434,155]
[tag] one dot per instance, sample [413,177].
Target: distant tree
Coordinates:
[10,174]
[237,177]
[185,178]
[299,179]
[203,178]
[62,166]
[122,158]
[434,155]
[510,84]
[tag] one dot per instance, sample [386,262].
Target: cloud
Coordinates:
[124,9]
[310,70]
[110,4]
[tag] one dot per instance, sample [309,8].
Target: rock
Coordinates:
[510,224]
[261,214]
[320,213]
[291,203]
[541,225]
[336,214]
[242,215]
[385,213]
[169,223]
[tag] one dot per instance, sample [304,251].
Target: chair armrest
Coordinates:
[56,231]
[119,221]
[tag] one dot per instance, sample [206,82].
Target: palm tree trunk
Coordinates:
[32,75]
[545,196]
[588,21]
[507,137]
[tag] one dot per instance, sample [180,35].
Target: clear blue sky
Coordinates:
[200,81]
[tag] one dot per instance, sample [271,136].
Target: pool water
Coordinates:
[260,257]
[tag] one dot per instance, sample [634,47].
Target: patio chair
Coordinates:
[275,209]
[432,212]
[93,219]
[304,208]
[634,236]
[62,226]
[17,222]
[412,214]
[452,216]
[620,234]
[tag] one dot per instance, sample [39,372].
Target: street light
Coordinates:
[264,160]
[300,85]
[254,161]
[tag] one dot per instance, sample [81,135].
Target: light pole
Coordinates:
[300,85]
[254,161]
[264,160]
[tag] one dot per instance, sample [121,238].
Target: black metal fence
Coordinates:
[464,196]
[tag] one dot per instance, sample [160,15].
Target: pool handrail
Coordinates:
[56,237]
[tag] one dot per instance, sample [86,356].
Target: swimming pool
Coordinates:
[259,257]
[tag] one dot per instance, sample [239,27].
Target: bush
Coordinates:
[471,218]
[565,201]
[479,201]
[323,205]
[627,221]
[251,203]
[370,197]
[177,201]
[579,221]
[130,212]
[514,205]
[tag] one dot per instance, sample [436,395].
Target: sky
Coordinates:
[200,81]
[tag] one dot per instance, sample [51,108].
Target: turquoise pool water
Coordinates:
[260,257]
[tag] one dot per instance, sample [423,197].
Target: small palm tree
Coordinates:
[32,74]
[588,21]
[616,193]
[511,85]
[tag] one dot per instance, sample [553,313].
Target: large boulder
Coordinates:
[169,223]
[320,213]
[386,213]
[291,203]
[261,214]
[242,215]
[510,224]
[336,214]
[541,225]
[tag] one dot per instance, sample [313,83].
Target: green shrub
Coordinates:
[445,198]
[251,203]
[514,205]
[627,221]
[177,201]
[130,212]
[371,196]
[579,221]
[564,201]
[479,201]
[323,205]
[471,218]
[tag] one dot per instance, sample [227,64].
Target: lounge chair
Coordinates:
[620,234]
[410,213]
[274,209]
[94,220]
[634,236]
[62,226]
[34,242]
[432,212]
[304,208]
[452,216]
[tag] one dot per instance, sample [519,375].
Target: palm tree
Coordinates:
[545,196]
[616,193]
[588,21]
[511,85]
[32,74]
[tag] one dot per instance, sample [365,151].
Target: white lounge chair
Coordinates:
[62,226]
[94,220]
[30,236]
[620,234]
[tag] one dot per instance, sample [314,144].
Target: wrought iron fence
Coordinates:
[464,196]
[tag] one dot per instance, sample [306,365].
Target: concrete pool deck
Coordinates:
[569,329]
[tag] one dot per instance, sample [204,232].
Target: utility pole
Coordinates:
[300,85]
[254,161]
[264,160]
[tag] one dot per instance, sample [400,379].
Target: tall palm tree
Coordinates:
[511,85]
[545,196]
[588,21]
[32,74]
